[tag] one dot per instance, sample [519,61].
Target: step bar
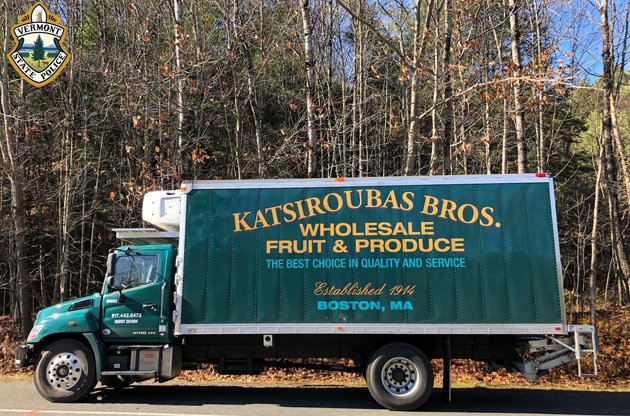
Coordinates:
[580,341]
[143,374]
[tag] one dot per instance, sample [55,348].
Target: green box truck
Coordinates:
[387,272]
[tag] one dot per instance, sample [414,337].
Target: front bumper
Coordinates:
[24,356]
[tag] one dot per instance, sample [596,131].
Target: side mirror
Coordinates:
[111,264]
[109,281]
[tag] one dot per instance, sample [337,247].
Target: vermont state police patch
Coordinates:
[39,55]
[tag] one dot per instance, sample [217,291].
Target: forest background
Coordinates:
[158,92]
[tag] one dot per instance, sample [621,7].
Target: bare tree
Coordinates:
[610,169]
[13,164]
[519,111]
[310,90]
[419,42]
[447,138]
[178,30]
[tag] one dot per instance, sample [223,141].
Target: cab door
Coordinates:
[136,304]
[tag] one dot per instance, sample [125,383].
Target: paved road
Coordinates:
[20,398]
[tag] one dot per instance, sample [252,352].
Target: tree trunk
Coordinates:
[594,235]
[64,220]
[252,97]
[447,168]
[610,174]
[434,118]
[504,130]
[361,139]
[179,76]
[419,40]
[619,146]
[541,157]
[355,98]
[97,173]
[519,111]
[487,137]
[241,45]
[14,167]
[311,163]
[332,134]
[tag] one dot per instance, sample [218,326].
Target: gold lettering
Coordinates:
[313,205]
[271,245]
[326,202]
[319,288]
[426,228]
[300,209]
[310,229]
[349,198]
[448,207]
[360,244]
[373,198]
[274,214]
[239,222]
[486,212]
[399,228]
[391,199]
[290,214]
[430,205]
[457,244]
[260,219]
[384,228]
[441,245]
[473,218]
[295,246]
[407,198]
[343,229]
[370,228]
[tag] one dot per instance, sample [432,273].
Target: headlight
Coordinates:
[35,331]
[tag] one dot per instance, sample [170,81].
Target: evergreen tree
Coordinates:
[38,51]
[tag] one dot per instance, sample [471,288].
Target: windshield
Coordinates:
[134,271]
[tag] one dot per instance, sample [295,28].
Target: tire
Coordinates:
[66,371]
[399,377]
[116,382]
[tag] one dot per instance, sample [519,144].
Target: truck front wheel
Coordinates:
[66,371]
[399,377]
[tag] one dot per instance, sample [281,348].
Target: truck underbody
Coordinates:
[249,354]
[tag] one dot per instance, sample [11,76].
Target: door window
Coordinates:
[135,271]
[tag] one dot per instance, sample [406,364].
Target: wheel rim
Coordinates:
[64,371]
[400,376]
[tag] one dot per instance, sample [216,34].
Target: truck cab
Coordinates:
[80,341]
[137,297]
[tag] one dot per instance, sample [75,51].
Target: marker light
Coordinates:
[72,323]
[541,175]
[35,331]
[339,179]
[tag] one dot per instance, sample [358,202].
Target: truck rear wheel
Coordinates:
[399,377]
[66,371]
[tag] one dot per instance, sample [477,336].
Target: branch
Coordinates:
[377,32]
[500,81]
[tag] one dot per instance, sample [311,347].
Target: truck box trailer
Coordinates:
[387,272]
